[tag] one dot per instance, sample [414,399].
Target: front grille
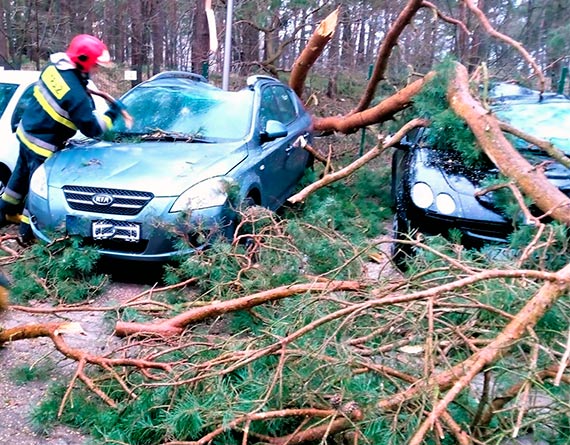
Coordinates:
[94,199]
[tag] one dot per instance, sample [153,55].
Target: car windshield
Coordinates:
[167,112]
[7,90]
[549,121]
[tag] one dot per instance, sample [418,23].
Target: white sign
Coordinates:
[130,75]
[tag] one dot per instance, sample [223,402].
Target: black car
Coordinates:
[434,190]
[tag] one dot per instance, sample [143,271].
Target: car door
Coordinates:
[284,162]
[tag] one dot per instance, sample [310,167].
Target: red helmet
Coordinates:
[87,51]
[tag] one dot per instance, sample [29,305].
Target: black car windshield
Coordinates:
[7,90]
[548,120]
[187,113]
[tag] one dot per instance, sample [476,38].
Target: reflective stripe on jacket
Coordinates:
[60,106]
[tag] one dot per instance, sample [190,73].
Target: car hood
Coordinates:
[164,169]
[456,173]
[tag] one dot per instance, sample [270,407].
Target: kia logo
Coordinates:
[102,199]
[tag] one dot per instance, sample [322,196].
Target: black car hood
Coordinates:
[454,170]
[165,169]
[450,164]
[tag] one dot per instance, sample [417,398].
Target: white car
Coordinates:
[16,89]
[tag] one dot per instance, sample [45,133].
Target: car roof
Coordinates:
[19,76]
[509,93]
[177,78]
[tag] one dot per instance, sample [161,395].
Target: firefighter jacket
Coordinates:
[60,106]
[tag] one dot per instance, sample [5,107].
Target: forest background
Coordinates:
[149,36]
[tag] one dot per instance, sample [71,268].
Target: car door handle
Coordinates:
[289,149]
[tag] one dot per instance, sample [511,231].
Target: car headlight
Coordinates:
[209,193]
[421,194]
[445,204]
[38,183]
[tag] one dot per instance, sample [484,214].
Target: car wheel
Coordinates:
[401,252]
[4,177]
[236,219]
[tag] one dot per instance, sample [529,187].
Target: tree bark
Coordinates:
[201,40]
[385,50]
[382,112]
[176,325]
[322,35]
[463,373]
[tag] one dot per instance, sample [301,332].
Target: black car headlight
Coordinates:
[445,204]
[424,197]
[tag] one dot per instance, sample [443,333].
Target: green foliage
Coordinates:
[320,237]
[81,412]
[37,372]
[356,210]
[63,271]
[447,130]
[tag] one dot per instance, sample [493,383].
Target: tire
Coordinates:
[4,177]
[247,203]
[401,252]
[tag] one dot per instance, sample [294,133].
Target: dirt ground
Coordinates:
[18,400]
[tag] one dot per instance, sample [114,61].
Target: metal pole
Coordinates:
[228,46]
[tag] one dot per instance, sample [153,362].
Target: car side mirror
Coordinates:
[273,130]
[405,143]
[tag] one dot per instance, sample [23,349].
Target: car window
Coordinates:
[549,121]
[7,90]
[21,106]
[277,104]
[205,113]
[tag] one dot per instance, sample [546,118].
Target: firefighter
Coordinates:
[61,106]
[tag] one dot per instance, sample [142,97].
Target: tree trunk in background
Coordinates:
[462,48]
[347,39]
[249,53]
[201,38]
[478,47]
[137,38]
[271,39]
[371,41]
[158,30]
[4,34]
[558,41]
[360,49]
[171,51]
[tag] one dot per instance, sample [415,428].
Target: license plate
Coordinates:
[116,230]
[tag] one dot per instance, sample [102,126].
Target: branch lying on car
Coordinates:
[500,151]
[382,112]
[351,168]
[546,146]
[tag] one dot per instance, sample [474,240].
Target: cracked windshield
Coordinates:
[188,114]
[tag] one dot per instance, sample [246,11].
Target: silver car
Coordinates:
[194,154]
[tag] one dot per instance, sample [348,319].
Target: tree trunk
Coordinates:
[201,39]
[137,39]
[322,35]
